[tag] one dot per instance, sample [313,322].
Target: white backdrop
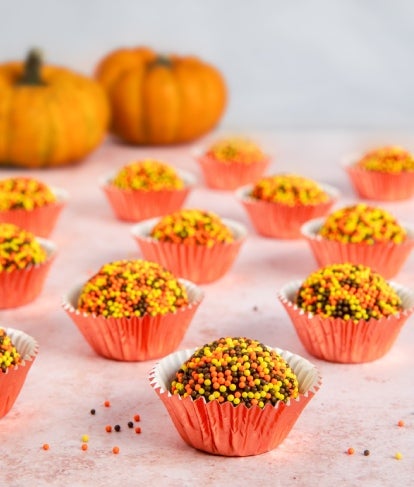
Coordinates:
[299,64]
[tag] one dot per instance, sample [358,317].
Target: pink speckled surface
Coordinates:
[357,406]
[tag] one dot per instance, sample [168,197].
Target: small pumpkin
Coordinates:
[158,100]
[49,115]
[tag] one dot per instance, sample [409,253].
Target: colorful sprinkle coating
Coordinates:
[362,224]
[192,227]
[24,193]
[128,288]
[236,370]
[148,175]
[389,159]
[289,189]
[18,248]
[9,356]
[348,291]
[236,149]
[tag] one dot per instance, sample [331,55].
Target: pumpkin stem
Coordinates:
[163,60]
[32,67]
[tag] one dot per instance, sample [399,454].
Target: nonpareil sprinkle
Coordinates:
[115,450]
[236,150]
[192,227]
[289,189]
[9,356]
[238,370]
[19,248]
[348,291]
[127,288]
[388,159]
[148,175]
[364,224]
[22,193]
[117,428]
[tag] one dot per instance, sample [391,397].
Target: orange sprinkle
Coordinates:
[115,450]
[401,423]
[107,404]
[138,430]
[84,446]
[108,428]
[350,451]
[137,418]
[45,446]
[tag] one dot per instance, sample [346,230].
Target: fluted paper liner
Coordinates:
[276,220]
[40,221]
[137,205]
[11,382]
[229,176]
[387,258]
[224,429]
[22,286]
[338,340]
[380,186]
[135,338]
[197,263]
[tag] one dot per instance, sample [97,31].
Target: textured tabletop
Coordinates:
[358,406]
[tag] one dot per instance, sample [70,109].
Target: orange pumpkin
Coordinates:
[49,116]
[161,100]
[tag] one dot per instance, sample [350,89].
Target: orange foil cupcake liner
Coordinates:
[229,176]
[197,263]
[11,381]
[40,221]
[387,258]
[136,205]
[381,186]
[135,338]
[22,286]
[275,220]
[337,340]
[224,429]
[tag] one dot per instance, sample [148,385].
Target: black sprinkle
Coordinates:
[366,453]
[93,411]
[130,424]
[117,427]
